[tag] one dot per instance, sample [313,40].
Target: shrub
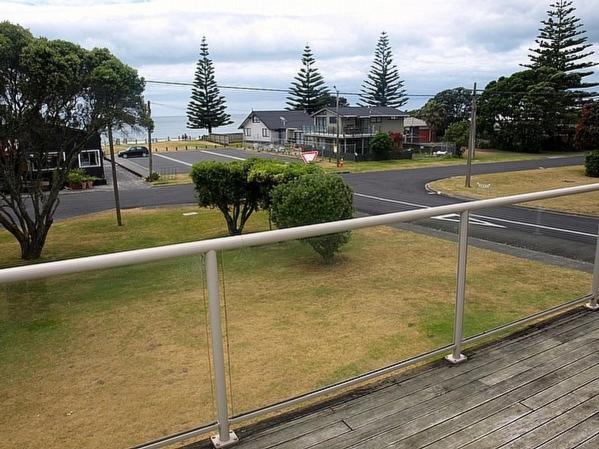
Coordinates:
[591,164]
[381,146]
[153,177]
[76,176]
[458,133]
[238,189]
[310,199]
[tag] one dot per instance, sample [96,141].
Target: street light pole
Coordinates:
[337,139]
[150,162]
[472,139]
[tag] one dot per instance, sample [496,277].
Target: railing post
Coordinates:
[458,327]
[593,304]
[225,437]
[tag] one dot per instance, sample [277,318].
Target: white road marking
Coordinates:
[203,151]
[173,159]
[456,218]
[483,217]
[224,155]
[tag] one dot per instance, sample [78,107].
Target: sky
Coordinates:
[437,44]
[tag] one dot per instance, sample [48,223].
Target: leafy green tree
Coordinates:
[447,107]
[587,129]
[383,87]
[311,199]
[54,97]
[527,110]
[308,92]
[563,46]
[458,133]
[434,114]
[331,101]
[381,146]
[206,109]
[238,189]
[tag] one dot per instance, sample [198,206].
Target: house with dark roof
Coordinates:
[275,127]
[354,126]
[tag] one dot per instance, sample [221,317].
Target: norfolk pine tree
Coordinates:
[206,109]
[562,45]
[383,87]
[308,92]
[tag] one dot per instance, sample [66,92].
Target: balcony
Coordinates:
[345,132]
[236,329]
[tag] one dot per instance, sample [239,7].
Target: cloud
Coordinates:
[437,44]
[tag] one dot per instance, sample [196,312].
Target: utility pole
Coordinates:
[472,140]
[115,184]
[150,164]
[337,139]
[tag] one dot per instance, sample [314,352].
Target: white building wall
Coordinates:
[256,132]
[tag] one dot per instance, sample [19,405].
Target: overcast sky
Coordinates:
[437,44]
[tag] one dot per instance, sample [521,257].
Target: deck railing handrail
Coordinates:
[138,256]
[225,437]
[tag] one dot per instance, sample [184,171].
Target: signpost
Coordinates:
[309,156]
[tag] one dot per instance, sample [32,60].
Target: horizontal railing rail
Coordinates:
[134,257]
[226,437]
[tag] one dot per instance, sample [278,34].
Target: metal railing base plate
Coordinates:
[216,441]
[592,305]
[456,360]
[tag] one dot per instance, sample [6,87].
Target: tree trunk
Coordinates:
[33,243]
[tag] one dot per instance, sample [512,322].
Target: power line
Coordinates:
[264,89]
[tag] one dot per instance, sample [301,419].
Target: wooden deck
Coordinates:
[539,389]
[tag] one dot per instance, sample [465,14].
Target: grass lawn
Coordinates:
[482,156]
[117,357]
[501,184]
[173,145]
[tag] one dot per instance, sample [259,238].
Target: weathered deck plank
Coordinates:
[540,389]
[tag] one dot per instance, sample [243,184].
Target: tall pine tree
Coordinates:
[308,92]
[206,109]
[562,44]
[383,87]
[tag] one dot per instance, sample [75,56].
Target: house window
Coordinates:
[333,120]
[247,132]
[89,158]
[255,119]
[376,119]
[265,132]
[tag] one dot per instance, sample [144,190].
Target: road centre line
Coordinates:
[173,159]
[484,217]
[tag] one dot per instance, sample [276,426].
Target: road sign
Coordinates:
[309,156]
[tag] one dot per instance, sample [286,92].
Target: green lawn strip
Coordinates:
[128,345]
[482,156]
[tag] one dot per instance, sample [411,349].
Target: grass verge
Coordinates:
[172,145]
[482,156]
[511,183]
[117,357]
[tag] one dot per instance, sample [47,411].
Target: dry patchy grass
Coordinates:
[113,358]
[511,183]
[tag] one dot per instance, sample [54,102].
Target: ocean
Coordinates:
[172,127]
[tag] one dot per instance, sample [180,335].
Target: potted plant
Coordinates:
[76,178]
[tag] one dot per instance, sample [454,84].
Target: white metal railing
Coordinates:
[225,436]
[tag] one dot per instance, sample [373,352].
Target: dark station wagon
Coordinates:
[134,152]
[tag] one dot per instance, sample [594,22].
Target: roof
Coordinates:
[366,111]
[413,121]
[281,119]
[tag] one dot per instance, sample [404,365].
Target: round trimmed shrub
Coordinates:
[311,199]
[591,164]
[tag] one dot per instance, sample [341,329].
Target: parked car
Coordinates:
[134,152]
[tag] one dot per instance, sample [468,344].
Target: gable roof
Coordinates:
[281,119]
[365,111]
[413,121]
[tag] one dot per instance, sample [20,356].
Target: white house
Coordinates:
[275,127]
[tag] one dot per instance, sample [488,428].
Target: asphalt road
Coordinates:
[558,234]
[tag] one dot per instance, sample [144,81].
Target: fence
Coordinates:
[209,248]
